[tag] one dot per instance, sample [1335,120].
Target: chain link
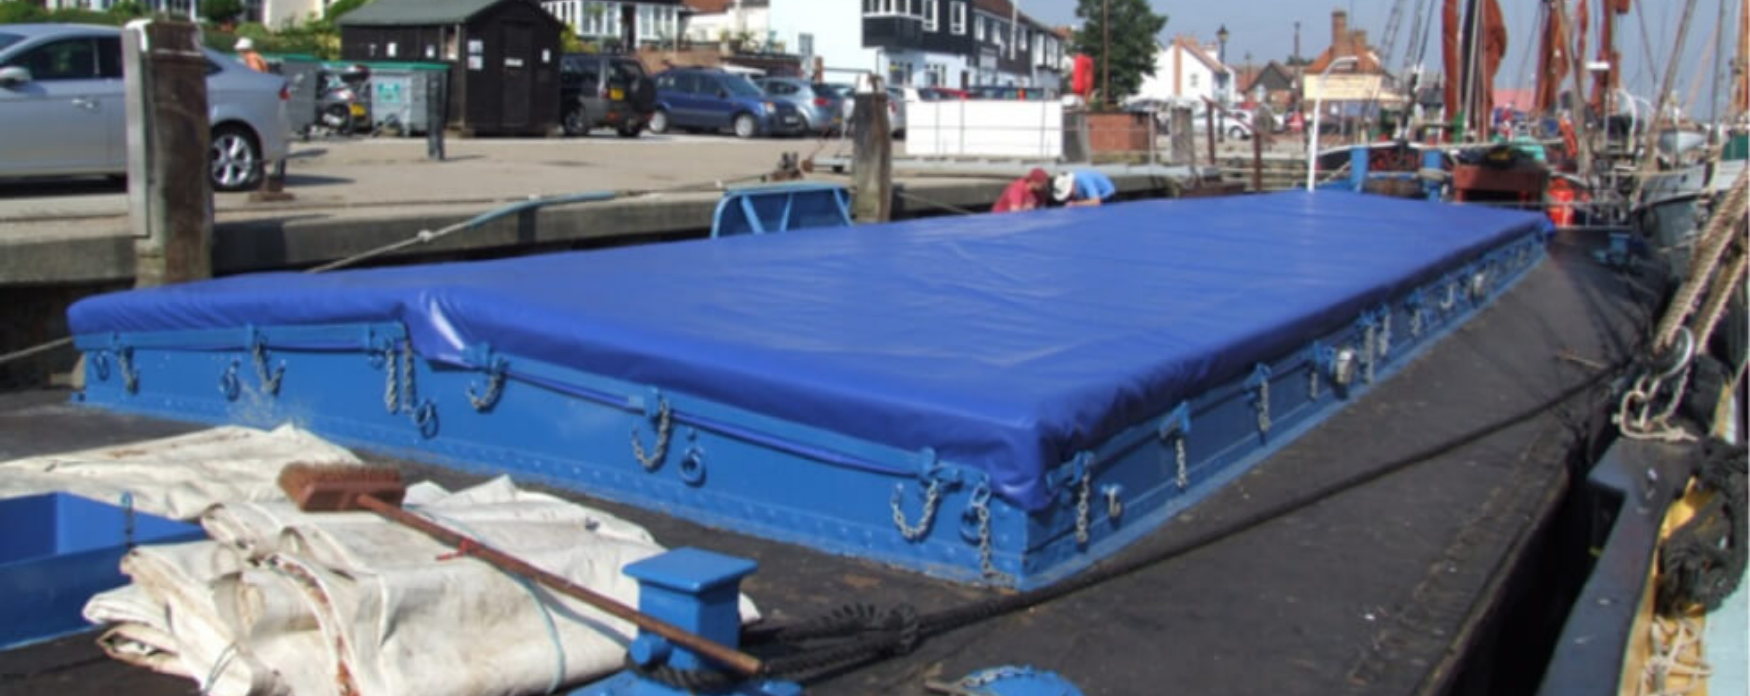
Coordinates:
[1312,381]
[1385,334]
[409,390]
[124,361]
[1416,322]
[932,500]
[1264,405]
[391,390]
[985,564]
[1184,474]
[659,450]
[1084,491]
[494,387]
[1367,351]
[270,380]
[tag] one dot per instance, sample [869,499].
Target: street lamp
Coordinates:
[1221,57]
[1312,141]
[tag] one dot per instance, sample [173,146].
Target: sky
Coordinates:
[1265,29]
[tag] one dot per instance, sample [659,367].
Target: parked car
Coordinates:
[701,99]
[1011,92]
[62,110]
[821,106]
[931,94]
[1235,123]
[604,91]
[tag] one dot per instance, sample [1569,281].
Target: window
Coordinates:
[930,17]
[957,18]
[109,57]
[1193,80]
[805,45]
[666,82]
[71,59]
[979,28]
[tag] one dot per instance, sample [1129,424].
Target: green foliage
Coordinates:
[18,12]
[1134,26]
[571,43]
[128,9]
[221,11]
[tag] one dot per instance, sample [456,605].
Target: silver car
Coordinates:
[62,110]
[820,105]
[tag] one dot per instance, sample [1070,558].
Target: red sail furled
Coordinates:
[1552,61]
[1494,48]
[1607,80]
[1451,56]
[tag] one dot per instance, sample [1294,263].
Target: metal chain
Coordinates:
[1367,350]
[932,500]
[1416,322]
[1184,477]
[391,390]
[1385,334]
[124,361]
[494,387]
[1082,496]
[270,381]
[409,391]
[1264,405]
[654,458]
[985,564]
[1312,381]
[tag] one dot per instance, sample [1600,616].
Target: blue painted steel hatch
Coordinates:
[990,398]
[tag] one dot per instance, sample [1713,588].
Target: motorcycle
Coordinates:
[343,106]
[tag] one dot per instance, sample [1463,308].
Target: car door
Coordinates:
[686,101]
[713,106]
[57,122]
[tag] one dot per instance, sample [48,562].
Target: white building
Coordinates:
[656,22]
[831,30]
[1184,71]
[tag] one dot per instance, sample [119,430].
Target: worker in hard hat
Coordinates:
[246,52]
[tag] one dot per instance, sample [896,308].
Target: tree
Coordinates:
[1133,46]
[221,11]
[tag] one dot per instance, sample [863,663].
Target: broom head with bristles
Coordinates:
[329,488]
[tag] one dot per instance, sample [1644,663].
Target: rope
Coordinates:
[35,350]
[1702,561]
[1714,239]
[1714,309]
[868,646]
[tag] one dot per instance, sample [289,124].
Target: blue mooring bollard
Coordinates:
[696,590]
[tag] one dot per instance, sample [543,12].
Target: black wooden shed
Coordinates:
[503,56]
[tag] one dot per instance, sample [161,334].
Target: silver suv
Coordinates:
[62,112]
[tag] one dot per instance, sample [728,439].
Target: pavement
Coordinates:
[336,176]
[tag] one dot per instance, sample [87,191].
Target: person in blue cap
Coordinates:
[1082,188]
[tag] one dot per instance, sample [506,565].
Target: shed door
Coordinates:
[518,64]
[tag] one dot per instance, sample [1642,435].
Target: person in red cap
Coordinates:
[1026,193]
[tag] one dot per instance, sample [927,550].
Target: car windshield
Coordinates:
[9,39]
[739,86]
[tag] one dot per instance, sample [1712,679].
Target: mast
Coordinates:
[1664,92]
[1741,68]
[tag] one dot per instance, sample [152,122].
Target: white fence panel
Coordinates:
[984,128]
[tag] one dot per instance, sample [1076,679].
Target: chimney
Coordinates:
[1339,28]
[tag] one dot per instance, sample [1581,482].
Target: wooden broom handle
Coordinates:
[741,662]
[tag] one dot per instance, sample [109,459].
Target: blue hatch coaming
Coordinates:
[787,386]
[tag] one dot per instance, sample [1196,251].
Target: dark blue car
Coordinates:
[713,100]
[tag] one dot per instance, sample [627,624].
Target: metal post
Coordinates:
[1184,151]
[1209,121]
[437,117]
[170,194]
[1312,140]
[872,157]
[1257,161]
[1151,139]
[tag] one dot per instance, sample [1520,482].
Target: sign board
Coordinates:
[984,128]
[1341,88]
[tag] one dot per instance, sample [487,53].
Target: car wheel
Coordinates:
[746,127]
[1237,133]
[234,159]
[659,121]
[574,122]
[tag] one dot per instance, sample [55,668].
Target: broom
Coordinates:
[380,490]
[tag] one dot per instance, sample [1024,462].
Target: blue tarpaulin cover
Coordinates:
[1004,342]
